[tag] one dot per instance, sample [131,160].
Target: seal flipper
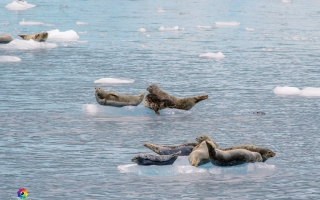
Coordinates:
[201,98]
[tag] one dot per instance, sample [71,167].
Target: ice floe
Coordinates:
[176,28]
[160,10]
[70,35]
[306,92]
[27,44]
[249,29]
[142,30]
[30,23]
[140,110]
[9,59]
[227,23]
[204,27]
[286,1]
[114,80]
[81,23]
[19,5]
[182,166]
[218,55]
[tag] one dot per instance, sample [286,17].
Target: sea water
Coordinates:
[59,143]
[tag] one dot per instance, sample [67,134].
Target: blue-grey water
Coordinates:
[58,143]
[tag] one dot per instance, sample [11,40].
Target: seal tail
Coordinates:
[201,98]
[176,154]
[211,150]
[152,147]
[23,36]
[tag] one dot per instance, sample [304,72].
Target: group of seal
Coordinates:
[39,37]
[156,100]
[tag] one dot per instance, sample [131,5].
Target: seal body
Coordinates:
[199,154]
[40,37]
[149,159]
[157,103]
[180,103]
[204,137]
[264,152]
[231,157]
[115,99]
[185,149]
[5,39]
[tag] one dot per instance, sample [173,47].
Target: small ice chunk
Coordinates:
[286,90]
[9,59]
[19,5]
[27,44]
[142,30]
[70,35]
[218,55]
[162,28]
[204,27]
[243,169]
[286,1]
[114,80]
[227,23]
[249,29]
[310,92]
[81,23]
[160,10]
[267,49]
[23,23]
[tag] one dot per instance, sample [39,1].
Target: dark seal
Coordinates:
[149,159]
[157,103]
[185,149]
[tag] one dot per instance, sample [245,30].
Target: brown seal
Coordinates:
[115,99]
[181,103]
[185,148]
[5,39]
[231,157]
[40,37]
[157,103]
[265,152]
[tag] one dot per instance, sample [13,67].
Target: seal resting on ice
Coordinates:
[185,149]
[149,159]
[157,103]
[40,37]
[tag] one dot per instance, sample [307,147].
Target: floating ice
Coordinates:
[114,80]
[9,59]
[218,55]
[70,35]
[286,1]
[267,49]
[19,5]
[160,10]
[141,110]
[162,28]
[23,23]
[306,92]
[27,44]
[182,166]
[249,29]
[204,27]
[310,92]
[142,30]
[227,23]
[81,23]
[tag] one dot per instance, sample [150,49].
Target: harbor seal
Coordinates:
[5,39]
[115,99]
[231,157]
[204,137]
[157,103]
[180,103]
[185,149]
[149,159]
[40,37]
[199,154]
[264,152]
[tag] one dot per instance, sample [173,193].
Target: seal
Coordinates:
[115,99]
[204,137]
[185,149]
[231,157]
[157,103]
[149,159]
[199,154]
[180,103]
[259,113]
[40,37]
[264,152]
[5,39]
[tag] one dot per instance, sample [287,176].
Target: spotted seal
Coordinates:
[264,152]
[185,148]
[231,157]
[157,103]
[149,159]
[40,37]
[5,39]
[180,103]
[115,99]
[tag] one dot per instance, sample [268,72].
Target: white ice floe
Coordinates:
[249,29]
[182,166]
[19,5]
[160,10]
[306,92]
[30,23]
[227,23]
[218,55]
[81,23]
[70,35]
[142,30]
[162,28]
[114,80]
[286,1]
[9,59]
[27,44]
[204,27]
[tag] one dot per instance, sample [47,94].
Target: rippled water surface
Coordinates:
[58,143]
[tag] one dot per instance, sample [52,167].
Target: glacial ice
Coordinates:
[30,23]
[70,35]
[227,23]
[162,28]
[19,5]
[160,10]
[142,30]
[249,29]
[306,92]
[218,55]
[204,27]
[113,80]
[81,23]
[9,59]
[27,44]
